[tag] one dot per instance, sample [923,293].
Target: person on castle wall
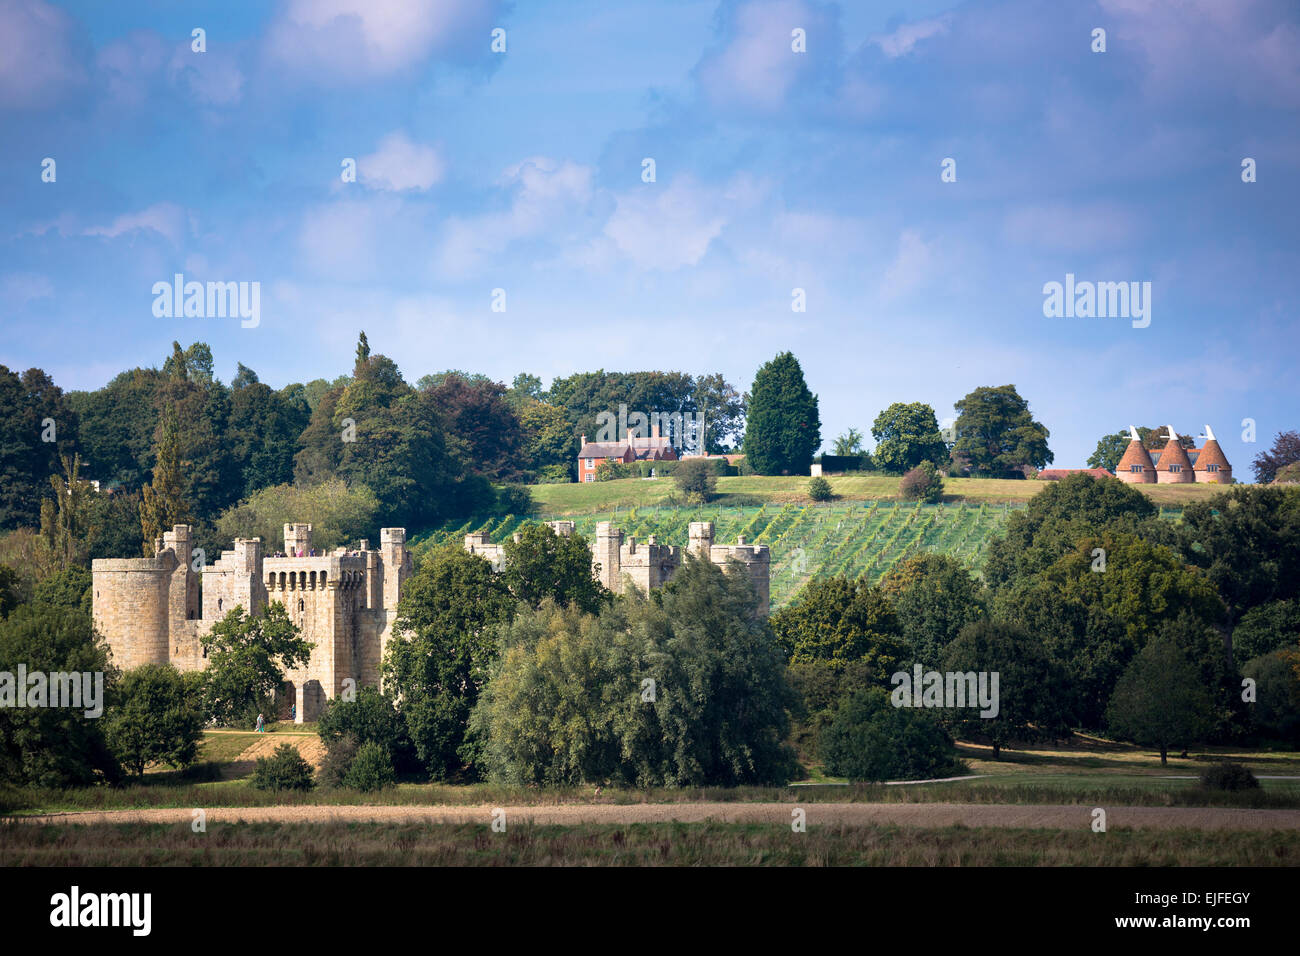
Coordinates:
[260,725]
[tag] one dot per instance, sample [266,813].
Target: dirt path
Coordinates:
[850,814]
[309,745]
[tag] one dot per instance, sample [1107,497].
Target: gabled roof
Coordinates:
[603,449]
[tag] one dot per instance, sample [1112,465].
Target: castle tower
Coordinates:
[1211,464]
[235,580]
[700,538]
[297,540]
[396,563]
[184,588]
[131,606]
[1135,467]
[605,552]
[1174,467]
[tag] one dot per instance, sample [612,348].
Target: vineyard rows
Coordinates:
[858,539]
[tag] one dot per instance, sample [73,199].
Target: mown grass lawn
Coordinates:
[584,497]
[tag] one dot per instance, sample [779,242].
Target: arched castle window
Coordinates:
[219,602]
[322,578]
[300,604]
[311,580]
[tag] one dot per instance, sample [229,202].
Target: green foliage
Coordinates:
[247,658]
[158,718]
[819,489]
[165,503]
[849,443]
[515,500]
[1060,515]
[697,479]
[1247,540]
[68,588]
[447,620]
[53,746]
[65,517]
[570,701]
[477,414]
[996,433]
[9,590]
[1275,714]
[337,513]
[27,462]
[935,596]
[548,441]
[339,755]
[868,739]
[783,428]
[114,521]
[613,470]
[263,434]
[371,718]
[371,769]
[906,435]
[1110,449]
[1285,452]
[542,564]
[842,621]
[285,769]
[922,483]
[1032,703]
[1160,700]
[1228,775]
[1266,628]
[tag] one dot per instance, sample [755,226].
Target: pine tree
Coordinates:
[165,503]
[783,428]
[64,520]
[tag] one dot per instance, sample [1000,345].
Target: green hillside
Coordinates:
[851,538]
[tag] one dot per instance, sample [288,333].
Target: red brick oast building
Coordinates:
[1174,464]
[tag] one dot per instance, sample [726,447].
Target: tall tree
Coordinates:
[906,435]
[1285,451]
[842,622]
[996,433]
[65,518]
[783,428]
[166,501]
[247,657]
[1110,449]
[37,424]
[542,564]
[1160,700]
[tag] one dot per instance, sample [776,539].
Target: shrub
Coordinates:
[515,500]
[283,770]
[372,717]
[869,739]
[922,483]
[819,489]
[554,475]
[612,471]
[697,479]
[339,755]
[1228,776]
[372,768]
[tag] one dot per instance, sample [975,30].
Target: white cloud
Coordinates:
[666,227]
[547,195]
[757,66]
[914,264]
[398,164]
[1072,226]
[904,39]
[37,62]
[341,39]
[19,288]
[165,218]
[211,77]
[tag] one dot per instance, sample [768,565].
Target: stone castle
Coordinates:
[616,561]
[155,610]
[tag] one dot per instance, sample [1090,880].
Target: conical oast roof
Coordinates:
[1211,454]
[1135,454]
[1173,454]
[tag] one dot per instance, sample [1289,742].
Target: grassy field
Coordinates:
[585,497]
[653,844]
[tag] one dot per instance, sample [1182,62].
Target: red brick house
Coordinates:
[593,454]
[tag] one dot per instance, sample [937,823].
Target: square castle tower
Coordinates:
[617,560]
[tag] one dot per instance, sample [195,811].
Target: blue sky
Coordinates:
[775,170]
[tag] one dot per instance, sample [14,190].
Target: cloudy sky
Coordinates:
[775,170]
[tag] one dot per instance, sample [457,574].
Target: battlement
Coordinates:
[616,559]
[343,602]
